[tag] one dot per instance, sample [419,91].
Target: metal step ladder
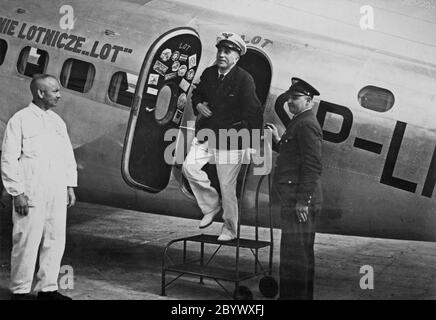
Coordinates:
[207,269]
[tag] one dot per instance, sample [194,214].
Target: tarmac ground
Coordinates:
[113,253]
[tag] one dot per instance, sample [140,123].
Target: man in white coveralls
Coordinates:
[39,172]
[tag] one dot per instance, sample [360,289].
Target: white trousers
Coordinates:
[228,164]
[43,228]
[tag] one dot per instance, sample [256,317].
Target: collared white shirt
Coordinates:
[36,153]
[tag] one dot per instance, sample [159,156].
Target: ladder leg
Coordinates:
[202,260]
[163,284]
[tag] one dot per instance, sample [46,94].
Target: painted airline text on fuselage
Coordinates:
[60,40]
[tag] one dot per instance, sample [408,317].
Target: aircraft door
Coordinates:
[160,98]
[257,64]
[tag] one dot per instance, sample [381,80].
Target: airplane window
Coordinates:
[122,88]
[163,103]
[375,98]
[32,61]
[77,75]
[3,49]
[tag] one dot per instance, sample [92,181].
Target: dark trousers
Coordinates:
[297,260]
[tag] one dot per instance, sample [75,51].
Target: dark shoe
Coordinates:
[22,296]
[52,295]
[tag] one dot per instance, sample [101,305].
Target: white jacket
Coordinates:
[36,154]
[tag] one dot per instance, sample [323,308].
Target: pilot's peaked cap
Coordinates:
[301,86]
[232,41]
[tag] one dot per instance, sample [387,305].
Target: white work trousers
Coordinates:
[37,160]
[228,164]
[43,228]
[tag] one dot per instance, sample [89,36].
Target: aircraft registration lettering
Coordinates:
[387,176]
[257,40]
[61,40]
[430,180]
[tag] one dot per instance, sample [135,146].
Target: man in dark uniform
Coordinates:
[224,99]
[297,181]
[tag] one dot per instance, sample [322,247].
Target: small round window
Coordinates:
[376,99]
[165,105]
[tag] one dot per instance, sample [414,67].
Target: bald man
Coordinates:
[39,171]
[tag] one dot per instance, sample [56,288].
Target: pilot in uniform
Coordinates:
[225,98]
[297,180]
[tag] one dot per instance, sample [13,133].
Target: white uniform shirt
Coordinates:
[37,154]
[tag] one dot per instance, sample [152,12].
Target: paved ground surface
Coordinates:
[117,254]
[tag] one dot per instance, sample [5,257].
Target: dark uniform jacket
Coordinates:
[233,101]
[299,163]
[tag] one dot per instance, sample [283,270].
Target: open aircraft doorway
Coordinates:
[258,65]
[160,98]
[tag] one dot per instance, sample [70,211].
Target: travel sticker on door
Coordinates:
[165,55]
[181,101]
[177,116]
[184,85]
[192,61]
[182,70]
[160,68]
[153,79]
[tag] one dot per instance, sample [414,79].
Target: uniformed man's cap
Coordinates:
[301,86]
[232,41]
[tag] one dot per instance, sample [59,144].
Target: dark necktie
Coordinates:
[220,78]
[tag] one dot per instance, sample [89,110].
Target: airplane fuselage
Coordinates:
[379,166]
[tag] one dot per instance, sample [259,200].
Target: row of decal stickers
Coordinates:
[171,65]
